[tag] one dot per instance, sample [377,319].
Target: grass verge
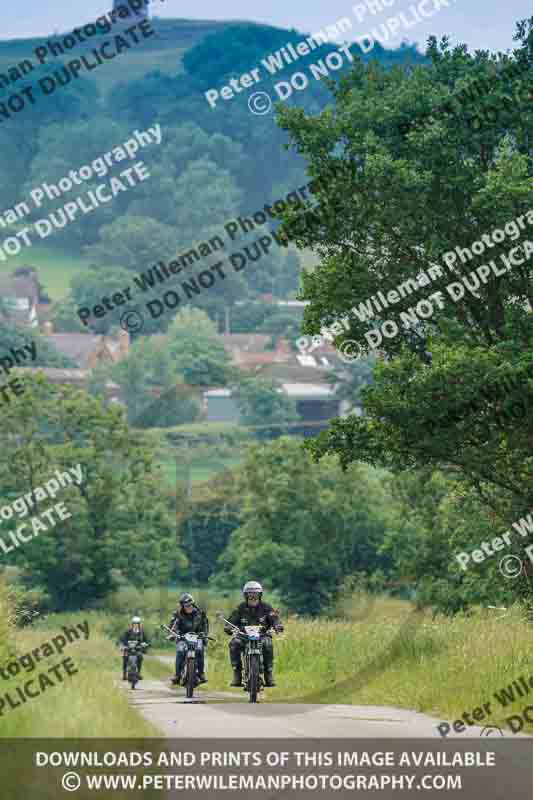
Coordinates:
[87,704]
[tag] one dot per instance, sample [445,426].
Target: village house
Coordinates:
[19,301]
[88,350]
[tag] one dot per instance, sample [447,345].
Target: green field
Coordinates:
[201,470]
[55,268]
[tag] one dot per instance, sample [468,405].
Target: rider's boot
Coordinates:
[202,677]
[269,678]
[237,676]
[124,676]
[175,681]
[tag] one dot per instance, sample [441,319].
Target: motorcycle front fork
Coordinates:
[187,659]
[247,672]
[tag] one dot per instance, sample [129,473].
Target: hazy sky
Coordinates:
[486,24]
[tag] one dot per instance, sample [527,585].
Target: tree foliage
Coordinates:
[15,337]
[120,516]
[305,527]
[392,205]
[197,351]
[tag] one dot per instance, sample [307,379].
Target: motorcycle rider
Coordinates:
[253,612]
[189,618]
[135,631]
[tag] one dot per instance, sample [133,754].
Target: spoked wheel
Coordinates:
[189,681]
[254,681]
[133,675]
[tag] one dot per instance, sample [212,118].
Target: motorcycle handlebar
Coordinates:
[264,632]
[178,635]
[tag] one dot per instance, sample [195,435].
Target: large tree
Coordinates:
[305,527]
[196,349]
[394,198]
[120,516]
[86,291]
[134,243]
[148,377]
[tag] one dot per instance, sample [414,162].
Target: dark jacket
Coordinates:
[130,634]
[196,622]
[262,614]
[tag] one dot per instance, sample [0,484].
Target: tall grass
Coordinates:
[88,703]
[380,651]
[386,653]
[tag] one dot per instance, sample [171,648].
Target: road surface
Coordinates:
[227,714]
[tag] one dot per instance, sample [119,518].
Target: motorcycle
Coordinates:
[189,675]
[134,649]
[253,657]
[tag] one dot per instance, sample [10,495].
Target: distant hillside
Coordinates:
[161,52]
[204,172]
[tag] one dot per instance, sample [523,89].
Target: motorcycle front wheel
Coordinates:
[189,680]
[254,681]
[133,676]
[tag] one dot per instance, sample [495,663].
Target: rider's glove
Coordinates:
[279,628]
[228,629]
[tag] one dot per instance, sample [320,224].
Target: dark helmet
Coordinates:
[186,598]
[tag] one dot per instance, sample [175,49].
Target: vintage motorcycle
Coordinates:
[253,656]
[133,650]
[193,642]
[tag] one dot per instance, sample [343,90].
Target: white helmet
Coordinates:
[136,621]
[252,587]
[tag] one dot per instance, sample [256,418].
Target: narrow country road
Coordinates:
[227,714]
